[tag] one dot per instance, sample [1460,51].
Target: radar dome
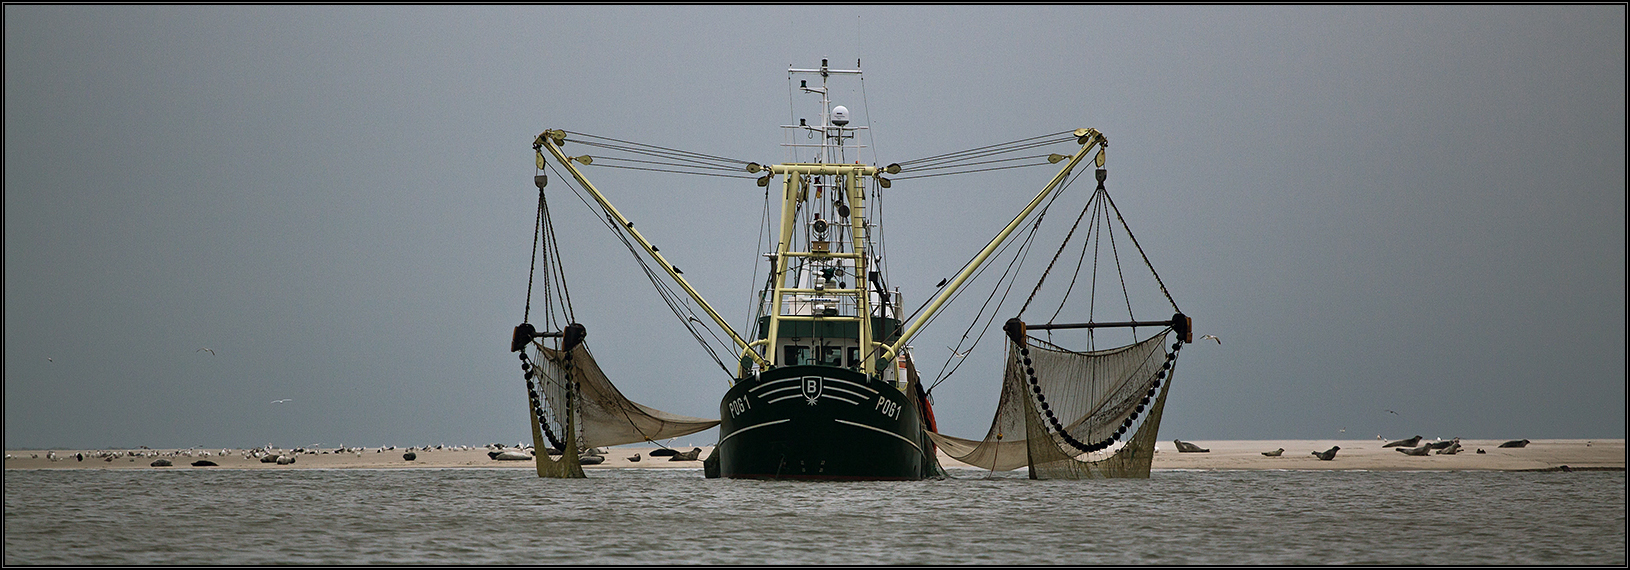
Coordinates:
[840,115]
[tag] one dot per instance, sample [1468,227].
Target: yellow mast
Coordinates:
[854,188]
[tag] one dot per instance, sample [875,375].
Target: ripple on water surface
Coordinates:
[675,516]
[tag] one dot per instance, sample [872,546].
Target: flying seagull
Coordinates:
[282,400]
[211,352]
[1392,412]
[955,354]
[1212,337]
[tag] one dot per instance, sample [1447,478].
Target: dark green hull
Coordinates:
[822,423]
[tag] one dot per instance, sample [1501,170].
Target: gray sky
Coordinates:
[1417,209]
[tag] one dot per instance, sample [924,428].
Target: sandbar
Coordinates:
[1364,455]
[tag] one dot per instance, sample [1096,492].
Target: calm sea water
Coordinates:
[509,516]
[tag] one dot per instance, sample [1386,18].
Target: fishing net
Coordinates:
[1061,412]
[603,416]
[563,466]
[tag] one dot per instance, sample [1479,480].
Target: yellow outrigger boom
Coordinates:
[1088,138]
[552,139]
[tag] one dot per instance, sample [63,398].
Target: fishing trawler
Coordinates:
[824,386]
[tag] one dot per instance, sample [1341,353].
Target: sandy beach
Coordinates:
[1223,455]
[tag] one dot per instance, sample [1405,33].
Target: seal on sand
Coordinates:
[1516,443]
[1411,442]
[1327,454]
[410,456]
[1417,452]
[204,463]
[1186,447]
[161,463]
[1275,453]
[692,455]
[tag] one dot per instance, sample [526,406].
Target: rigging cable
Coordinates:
[1097,206]
[1012,270]
[1115,252]
[969,171]
[957,154]
[926,164]
[669,298]
[673,158]
[537,230]
[757,308]
[1140,252]
[1061,246]
[1018,258]
[869,132]
[679,158]
[552,248]
[671,150]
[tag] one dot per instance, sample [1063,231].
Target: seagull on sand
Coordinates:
[211,352]
[1211,337]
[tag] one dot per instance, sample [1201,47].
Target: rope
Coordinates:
[951,155]
[970,155]
[552,247]
[1116,253]
[615,159]
[670,171]
[1140,252]
[1017,260]
[675,158]
[669,298]
[870,133]
[1061,247]
[673,150]
[537,230]
[1080,260]
[709,163]
[1032,157]
[967,171]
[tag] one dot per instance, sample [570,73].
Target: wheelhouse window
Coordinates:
[832,355]
[794,355]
